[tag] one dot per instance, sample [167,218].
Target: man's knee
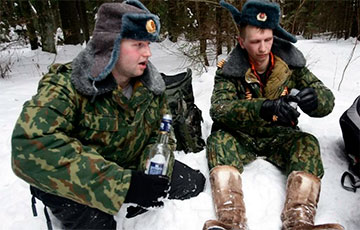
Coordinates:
[224,149]
[219,144]
[306,155]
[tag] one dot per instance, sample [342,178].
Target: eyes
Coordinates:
[267,40]
[141,45]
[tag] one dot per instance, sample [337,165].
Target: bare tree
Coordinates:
[70,22]
[349,61]
[201,13]
[29,16]
[84,22]
[296,15]
[46,25]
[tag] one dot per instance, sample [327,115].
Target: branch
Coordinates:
[348,63]
[295,16]
[206,1]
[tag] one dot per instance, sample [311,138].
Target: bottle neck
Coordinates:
[163,137]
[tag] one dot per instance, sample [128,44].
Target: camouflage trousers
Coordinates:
[293,151]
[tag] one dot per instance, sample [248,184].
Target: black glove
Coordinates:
[145,190]
[308,100]
[279,111]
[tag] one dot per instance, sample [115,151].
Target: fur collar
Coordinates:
[237,62]
[81,66]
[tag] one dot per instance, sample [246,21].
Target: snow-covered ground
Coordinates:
[263,184]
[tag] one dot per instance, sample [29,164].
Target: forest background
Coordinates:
[202,23]
[198,28]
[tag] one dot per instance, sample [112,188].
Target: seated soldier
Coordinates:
[82,140]
[252,115]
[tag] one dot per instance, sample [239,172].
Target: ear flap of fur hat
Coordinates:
[262,14]
[116,21]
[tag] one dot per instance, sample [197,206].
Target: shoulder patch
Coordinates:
[221,63]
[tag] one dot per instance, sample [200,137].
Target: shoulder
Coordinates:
[57,81]
[292,56]
[236,63]
[55,91]
[58,73]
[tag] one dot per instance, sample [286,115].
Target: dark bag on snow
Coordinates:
[350,127]
[187,116]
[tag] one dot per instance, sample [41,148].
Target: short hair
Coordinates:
[242,29]
[242,32]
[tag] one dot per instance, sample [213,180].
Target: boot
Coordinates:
[228,199]
[302,196]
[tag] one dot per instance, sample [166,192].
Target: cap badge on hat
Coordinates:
[261,17]
[150,26]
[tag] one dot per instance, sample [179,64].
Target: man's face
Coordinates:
[258,43]
[133,58]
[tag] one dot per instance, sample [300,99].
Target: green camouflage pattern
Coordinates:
[290,151]
[240,134]
[68,146]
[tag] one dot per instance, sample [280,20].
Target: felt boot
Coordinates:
[302,196]
[228,199]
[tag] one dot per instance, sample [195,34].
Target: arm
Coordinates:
[230,108]
[325,98]
[45,155]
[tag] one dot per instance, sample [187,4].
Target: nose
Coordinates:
[147,51]
[262,47]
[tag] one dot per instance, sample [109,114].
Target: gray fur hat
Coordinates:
[115,21]
[262,14]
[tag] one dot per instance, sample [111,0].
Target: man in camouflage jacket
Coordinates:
[82,140]
[253,116]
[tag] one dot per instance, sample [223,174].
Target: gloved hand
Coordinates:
[145,190]
[279,111]
[308,100]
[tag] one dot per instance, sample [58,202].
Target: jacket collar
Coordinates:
[237,63]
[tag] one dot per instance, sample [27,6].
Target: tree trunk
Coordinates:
[46,26]
[28,16]
[55,13]
[70,22]
[6,19]
[173,29]
[354,28]
[296,15]
[202,32]
[84,22]
[219,29]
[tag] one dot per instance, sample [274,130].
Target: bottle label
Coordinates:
[165,124]
[156,168]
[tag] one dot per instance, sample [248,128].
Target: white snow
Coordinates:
[263,183]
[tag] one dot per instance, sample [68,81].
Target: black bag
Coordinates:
[350,127]
[187,116]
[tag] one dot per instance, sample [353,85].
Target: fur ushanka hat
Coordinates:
[91,68]
[115,21]
[262,14]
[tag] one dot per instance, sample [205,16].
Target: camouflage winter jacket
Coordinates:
[80,143]
[237,98]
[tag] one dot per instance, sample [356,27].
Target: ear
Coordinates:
[241,41]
